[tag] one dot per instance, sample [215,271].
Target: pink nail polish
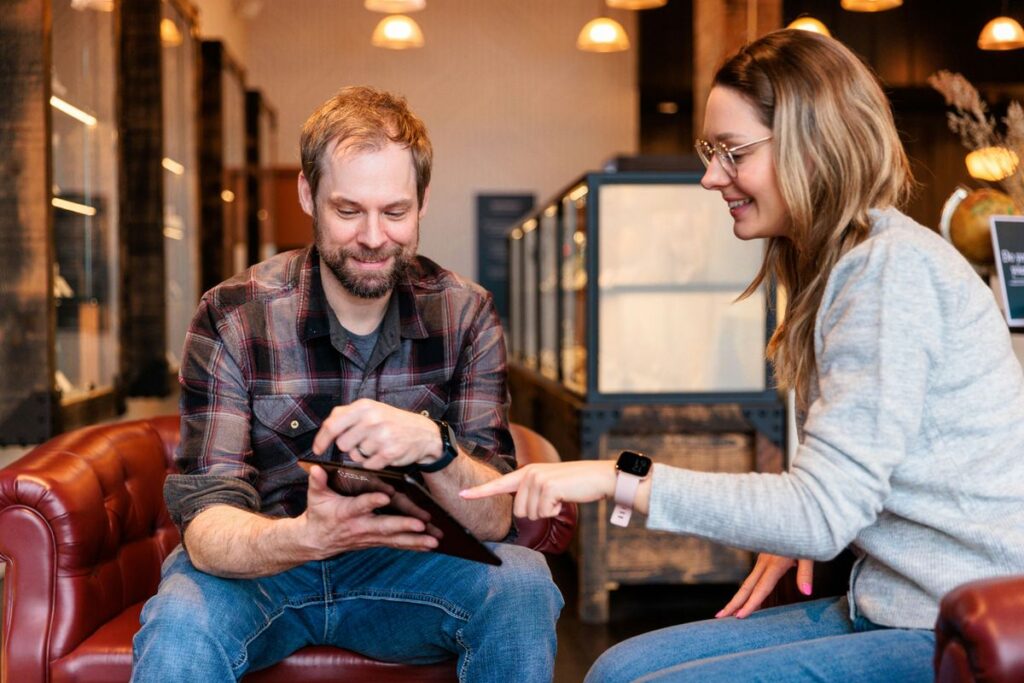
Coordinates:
[805,588]
[718,615]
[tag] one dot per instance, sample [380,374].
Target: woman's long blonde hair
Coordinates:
[837,154]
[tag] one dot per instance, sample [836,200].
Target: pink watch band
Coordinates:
[626,486]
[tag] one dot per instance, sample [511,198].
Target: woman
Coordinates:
[909,396]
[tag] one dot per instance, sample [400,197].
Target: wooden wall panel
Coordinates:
[27,318]
[144,368]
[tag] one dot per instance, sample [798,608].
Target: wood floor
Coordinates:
[634,610]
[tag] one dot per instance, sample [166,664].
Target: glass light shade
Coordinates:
[1002,33]
[394,6]
[170,34]
[992,163]
[603,35]
[636,4]
[869,5]
[810,24]
[397,32]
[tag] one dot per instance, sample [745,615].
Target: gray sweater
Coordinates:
[912,449]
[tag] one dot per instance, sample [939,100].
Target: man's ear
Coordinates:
[305,194]
[426,200]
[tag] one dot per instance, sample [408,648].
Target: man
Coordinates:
[356,346]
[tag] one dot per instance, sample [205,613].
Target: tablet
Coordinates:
[410,498]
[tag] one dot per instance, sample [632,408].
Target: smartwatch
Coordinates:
[631,468]
[449,449]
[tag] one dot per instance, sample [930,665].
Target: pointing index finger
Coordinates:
[506,484]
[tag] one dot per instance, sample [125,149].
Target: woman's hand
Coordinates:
[762,579]
[540,489]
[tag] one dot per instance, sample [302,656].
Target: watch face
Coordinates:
[636,464]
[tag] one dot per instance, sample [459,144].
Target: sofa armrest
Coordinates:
[83,532]
[979,634]
[546,535]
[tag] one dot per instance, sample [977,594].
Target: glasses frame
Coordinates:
[707,152]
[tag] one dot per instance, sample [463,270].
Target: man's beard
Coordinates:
[372,285]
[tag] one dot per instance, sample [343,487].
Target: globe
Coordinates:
[969,225]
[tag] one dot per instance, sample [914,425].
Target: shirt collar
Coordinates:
[403,317]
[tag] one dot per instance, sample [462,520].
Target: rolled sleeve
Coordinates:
[479,402]
[214,455]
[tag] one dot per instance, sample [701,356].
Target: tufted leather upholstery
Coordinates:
[83,529]
[979,635]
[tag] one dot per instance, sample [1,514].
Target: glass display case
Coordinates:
[514,330]
[235,182]
[529,295]
[628,333]
[223,172]
[180,61]
[547,289]
[261,146]
[635,278]
[84,200]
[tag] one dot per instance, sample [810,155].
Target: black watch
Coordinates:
[449,449]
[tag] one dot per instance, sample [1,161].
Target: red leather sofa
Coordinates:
[83,530]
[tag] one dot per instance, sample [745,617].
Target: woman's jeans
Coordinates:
[810,641]
[393,605]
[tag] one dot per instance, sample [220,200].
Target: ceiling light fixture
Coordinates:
[869,5]
[1002,33]
[603,35]
[992,163]
[394,6]
[170,34]
[636,4]
[397,32]
[809,24]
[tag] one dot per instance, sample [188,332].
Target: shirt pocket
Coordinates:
[285,426]
[428,399]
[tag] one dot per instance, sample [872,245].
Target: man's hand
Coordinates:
[542,488]
[334,524]
[378,435]
[762,579]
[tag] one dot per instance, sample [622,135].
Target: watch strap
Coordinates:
[448,449]
[626,486]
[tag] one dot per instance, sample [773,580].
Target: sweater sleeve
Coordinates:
[878,331]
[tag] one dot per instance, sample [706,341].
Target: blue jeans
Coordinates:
[810,641]
[393,605]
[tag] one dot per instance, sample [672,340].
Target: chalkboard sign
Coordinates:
[1008,244]
[495,214]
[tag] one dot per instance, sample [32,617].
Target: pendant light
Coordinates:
[397,32]
[170,34]
[1002,33]
[992,163]
[394,6]
[603,35]
[809,24]
[636,4]
[869,5]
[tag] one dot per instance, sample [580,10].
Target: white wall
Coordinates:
[510,103]
[224,20]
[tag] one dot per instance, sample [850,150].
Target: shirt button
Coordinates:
[295,424]
[425,413]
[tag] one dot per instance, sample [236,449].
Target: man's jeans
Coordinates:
[810,641]
[398,606]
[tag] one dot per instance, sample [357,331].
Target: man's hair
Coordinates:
[837,154]
[366,119]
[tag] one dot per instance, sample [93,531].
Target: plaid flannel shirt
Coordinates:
[265,362]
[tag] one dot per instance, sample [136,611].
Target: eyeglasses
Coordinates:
[707,151]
